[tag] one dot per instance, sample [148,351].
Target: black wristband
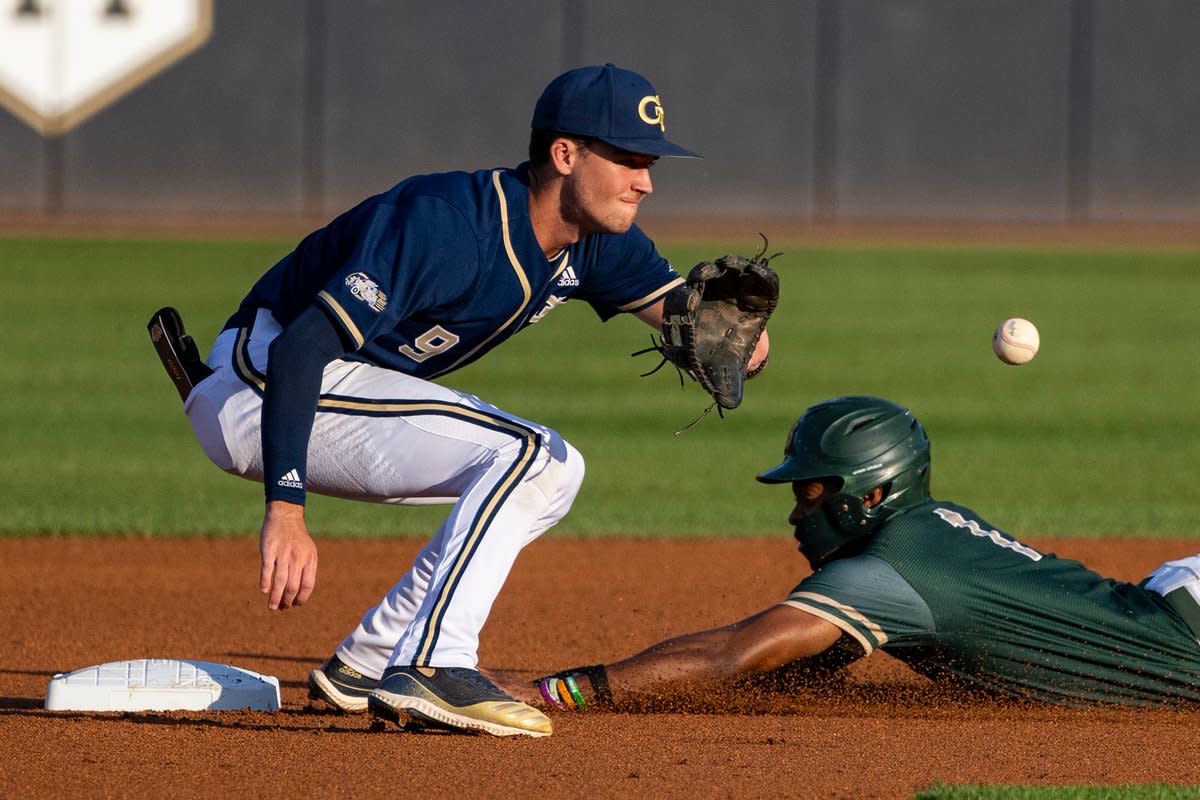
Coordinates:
[598,675]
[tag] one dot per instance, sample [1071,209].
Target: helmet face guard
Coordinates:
[841,519]
[865,442]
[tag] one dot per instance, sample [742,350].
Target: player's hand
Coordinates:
[520,688]
[289,556]
[758,360]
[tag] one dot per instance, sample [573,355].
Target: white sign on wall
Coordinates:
[63,60]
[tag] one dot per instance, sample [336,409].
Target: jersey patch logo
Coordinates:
[366,289]
[568,277]
[291,480]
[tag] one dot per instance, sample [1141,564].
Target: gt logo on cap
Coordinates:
[652,101]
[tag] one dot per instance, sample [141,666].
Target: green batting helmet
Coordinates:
[864,442]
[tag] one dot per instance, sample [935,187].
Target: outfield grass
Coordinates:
[1097,436]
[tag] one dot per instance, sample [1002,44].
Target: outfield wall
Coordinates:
[1051,111]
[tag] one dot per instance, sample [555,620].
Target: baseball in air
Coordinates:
[1016,341]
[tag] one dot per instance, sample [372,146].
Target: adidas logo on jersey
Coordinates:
[291,480]
[568,277]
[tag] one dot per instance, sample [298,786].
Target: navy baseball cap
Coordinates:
[607,103]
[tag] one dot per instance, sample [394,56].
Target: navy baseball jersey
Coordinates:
[430,275]
[945,592]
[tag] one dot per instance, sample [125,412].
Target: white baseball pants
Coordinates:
[383,436]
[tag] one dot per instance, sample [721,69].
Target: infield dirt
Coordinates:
[68,603]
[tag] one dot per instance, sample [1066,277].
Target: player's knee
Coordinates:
[562,476]
[573,471]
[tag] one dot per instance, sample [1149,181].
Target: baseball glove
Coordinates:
[713,321]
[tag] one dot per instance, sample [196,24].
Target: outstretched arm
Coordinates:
[679,670]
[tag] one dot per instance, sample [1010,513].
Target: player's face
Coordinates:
[606,188]
[810,495]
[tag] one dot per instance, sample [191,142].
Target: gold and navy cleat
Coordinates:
[341,686]
[453,698]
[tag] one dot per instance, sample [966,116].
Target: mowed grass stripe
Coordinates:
[1096,437]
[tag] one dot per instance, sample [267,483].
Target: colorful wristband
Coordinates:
[576,695]
[544,687]
[560,688]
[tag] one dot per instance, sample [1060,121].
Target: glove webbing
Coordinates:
[656,347]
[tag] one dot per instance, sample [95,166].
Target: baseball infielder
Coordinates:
[321,382]
[928,582]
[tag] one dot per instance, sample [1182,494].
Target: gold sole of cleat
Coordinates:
[415,712]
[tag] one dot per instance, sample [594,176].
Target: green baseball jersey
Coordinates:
[954,598]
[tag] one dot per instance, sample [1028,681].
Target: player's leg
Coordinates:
[476,546]
[515,479]
[364,654]
[432,675]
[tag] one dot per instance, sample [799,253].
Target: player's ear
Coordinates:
[873,497]
[564,155]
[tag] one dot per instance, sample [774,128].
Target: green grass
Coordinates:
[1127,792]
[1097,436]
